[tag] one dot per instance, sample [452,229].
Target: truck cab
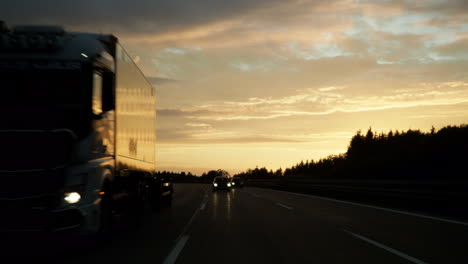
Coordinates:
[77,130]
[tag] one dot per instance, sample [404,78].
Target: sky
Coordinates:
[245,83]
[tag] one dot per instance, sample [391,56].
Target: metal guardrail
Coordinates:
[409,189]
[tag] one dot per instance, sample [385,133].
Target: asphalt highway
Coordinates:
[253,225]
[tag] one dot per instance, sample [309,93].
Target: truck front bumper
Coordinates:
[82,219]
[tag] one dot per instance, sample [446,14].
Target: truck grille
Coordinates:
[27,212]
[22,220]
[37,202]
[27,150]
[29,184]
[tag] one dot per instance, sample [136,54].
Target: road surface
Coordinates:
[253,225]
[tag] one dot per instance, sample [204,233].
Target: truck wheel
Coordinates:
[105,227]
[155,204]
[140,199]
[155,200]
[168,200]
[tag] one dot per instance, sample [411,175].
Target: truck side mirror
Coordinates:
[97,116]
[108,93]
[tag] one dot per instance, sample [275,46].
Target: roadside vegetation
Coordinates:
[400,155]
[189,177]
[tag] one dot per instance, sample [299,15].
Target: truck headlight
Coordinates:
[72,197]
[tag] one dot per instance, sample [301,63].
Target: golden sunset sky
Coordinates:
[272,82]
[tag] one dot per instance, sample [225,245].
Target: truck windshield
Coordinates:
[41,87]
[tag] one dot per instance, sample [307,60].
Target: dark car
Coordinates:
[222,183]
[237,182]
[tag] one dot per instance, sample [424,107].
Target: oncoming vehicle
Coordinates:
[237,182]
[222,183]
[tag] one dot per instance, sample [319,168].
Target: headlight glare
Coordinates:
[215,184]
[72,197]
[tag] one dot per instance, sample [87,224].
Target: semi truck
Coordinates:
[77,132]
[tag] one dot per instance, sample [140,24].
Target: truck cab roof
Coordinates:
[53,42]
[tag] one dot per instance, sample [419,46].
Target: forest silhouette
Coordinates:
[396,155]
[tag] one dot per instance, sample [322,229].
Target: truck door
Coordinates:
[103,114]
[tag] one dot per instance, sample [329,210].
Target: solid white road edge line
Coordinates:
[172,258]
[282,205]
[391,250]
[379,208]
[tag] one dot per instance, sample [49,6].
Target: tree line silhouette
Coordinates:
[189,177]
[178,176]
[398,155]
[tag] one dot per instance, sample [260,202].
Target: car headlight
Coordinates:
[166,184]
[233,183]
[72,197]
[229,185]
[215,184]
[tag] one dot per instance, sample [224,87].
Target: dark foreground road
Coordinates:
[254,225]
